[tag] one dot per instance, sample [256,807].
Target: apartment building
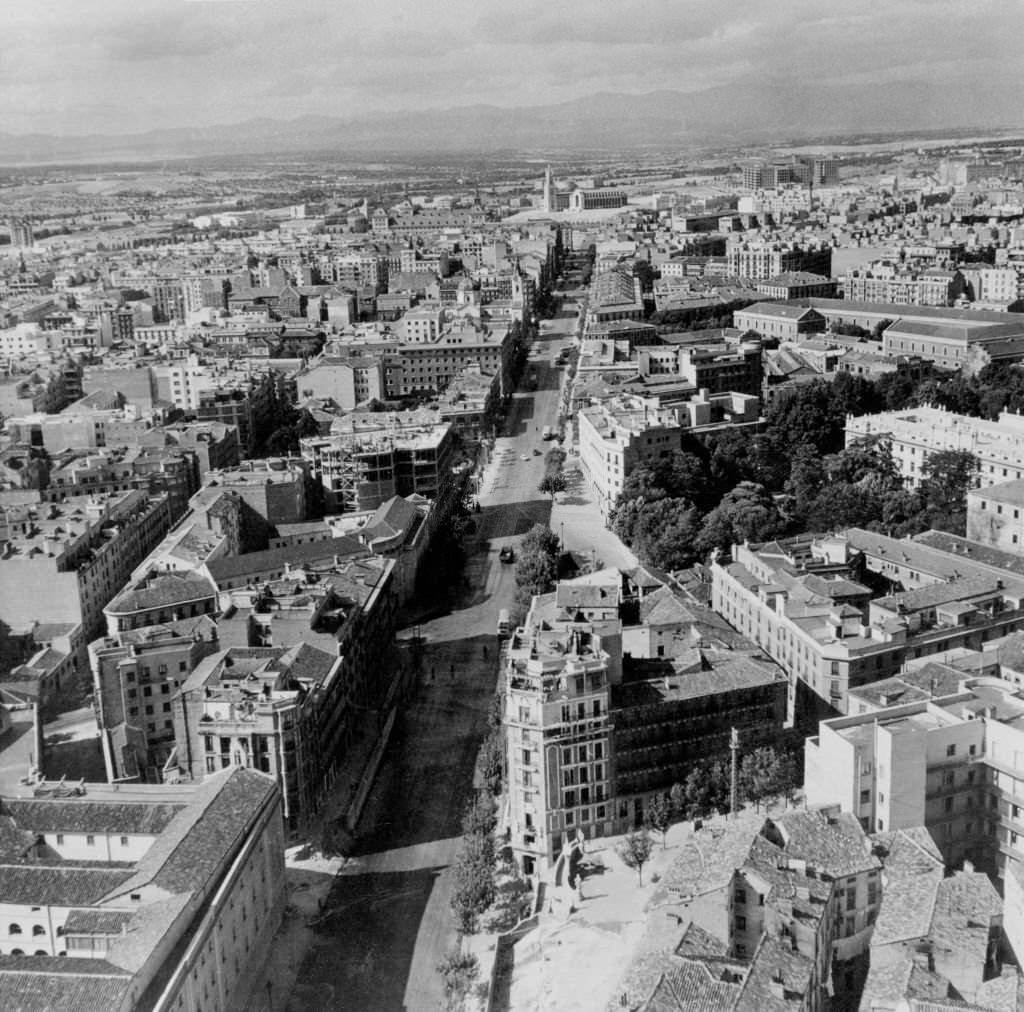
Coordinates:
[799,600]
[627,430]
[904,286]
[348,381]
[949,763]
[559,669]
[128,896]
[764,259]
[916,433]
[798,285]
[63,562]
[136,674]
[257,707]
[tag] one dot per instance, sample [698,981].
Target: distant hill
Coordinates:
[733,114]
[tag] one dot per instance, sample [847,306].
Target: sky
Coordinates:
[122,66]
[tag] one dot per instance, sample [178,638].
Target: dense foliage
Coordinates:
[795,475]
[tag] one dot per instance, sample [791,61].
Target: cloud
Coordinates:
[124,65]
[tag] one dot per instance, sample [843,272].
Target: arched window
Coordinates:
[14,929]
[37,930]
[60,931]
[17,952]
[40,952]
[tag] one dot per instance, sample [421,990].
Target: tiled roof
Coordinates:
[52,983]
[162,591]
[73,815]
[60,886]
[97,922]
[913,872]
[833,844]
[203,835]
[231,567]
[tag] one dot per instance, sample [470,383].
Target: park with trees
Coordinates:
[794,474]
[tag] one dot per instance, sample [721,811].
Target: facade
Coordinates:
[762,260]
[151,898]
[799,600]
[899,285]
[590,200]
[258,707]
[136,674]
[560,666]
[994,516]
[785,323]
[915,434]
[945,762]
[798,285]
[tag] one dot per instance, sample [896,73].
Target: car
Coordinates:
[507,554]
[536,452]
[524,456]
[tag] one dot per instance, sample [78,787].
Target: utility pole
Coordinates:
[734,750]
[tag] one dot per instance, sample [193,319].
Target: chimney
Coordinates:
[777,985]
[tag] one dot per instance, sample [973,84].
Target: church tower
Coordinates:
[549,191]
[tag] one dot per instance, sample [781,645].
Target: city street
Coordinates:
[387,921]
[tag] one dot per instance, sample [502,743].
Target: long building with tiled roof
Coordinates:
[153,898]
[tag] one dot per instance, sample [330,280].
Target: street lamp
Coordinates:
[561,537]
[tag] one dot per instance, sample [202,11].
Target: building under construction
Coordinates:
[370,458]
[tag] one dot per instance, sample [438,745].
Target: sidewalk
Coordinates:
[576,518]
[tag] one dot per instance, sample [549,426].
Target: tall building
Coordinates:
[761,260]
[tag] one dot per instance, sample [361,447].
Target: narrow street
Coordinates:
[388,921]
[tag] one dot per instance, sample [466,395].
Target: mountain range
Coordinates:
[751,112]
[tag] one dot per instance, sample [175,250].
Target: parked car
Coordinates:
[507,554]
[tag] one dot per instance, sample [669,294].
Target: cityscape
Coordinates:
[512,514]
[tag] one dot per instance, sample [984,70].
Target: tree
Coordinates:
[664,533]
[537,564]
[806,414]
[947,476]
[552,483]
[459,971]
[756,773]
[473,888]
[747,513]
[659,816]
[634,850]
[479,817]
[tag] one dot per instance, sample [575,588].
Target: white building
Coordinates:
[916,433]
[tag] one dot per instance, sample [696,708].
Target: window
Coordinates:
[741,924]
[124,841]
[60,839]
[948,778]
[739,896]
[865,797]
[37,931]
[14,929]
[951,750]
[947,805]
[90,841]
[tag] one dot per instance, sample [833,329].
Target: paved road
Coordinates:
[390,923]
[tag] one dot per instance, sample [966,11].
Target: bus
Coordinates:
[504,624]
